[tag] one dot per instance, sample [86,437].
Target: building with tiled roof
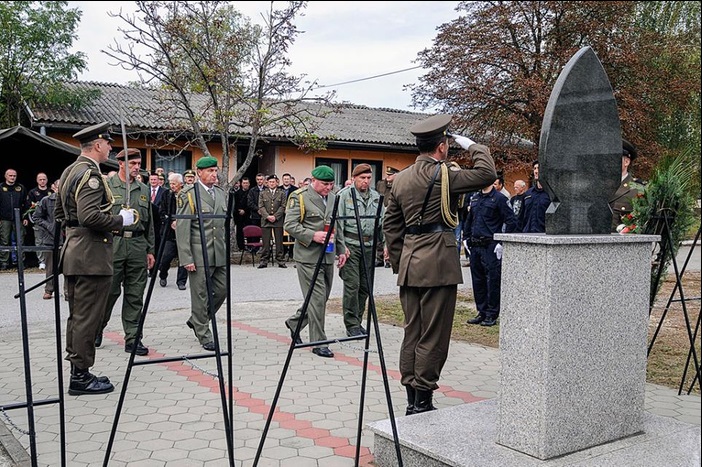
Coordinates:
[354,134]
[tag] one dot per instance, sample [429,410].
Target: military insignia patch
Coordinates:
[143,198]
[93,183]
[180,202]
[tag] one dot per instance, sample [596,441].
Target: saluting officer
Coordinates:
[133,250]
[213,201]
[419,224]
[85,206]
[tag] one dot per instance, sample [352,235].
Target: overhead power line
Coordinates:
[366,79]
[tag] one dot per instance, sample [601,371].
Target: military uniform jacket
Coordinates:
[301,225]
[188,230]
[270,203]
[429,259]
[140,200]
[346,218]
[84,205]
[621,201]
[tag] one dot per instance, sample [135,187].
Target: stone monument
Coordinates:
[573,334]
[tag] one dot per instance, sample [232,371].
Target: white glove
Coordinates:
[127,217]
[462,141]
[498,251]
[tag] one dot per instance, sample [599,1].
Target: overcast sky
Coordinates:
[343,41]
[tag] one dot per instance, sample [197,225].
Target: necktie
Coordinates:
[211,192]
[153,195]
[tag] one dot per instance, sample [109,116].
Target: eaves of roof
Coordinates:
[355,125]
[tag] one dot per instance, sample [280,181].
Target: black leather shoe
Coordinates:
[477,320]
[98,340]
[181,286]
[297,341]
[282,265]
[356,331]
[323,352]
[140,349]
[209,346]
[163,282]
[87,383]
[489,322]
[380,264]
[261,266]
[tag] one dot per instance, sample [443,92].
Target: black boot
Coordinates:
[411,394]
[84,382]
[422,401]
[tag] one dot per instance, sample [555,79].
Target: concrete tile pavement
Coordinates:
[172,415]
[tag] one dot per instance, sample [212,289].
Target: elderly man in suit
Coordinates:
[419,225]
[213,201]
[84,206]
[307,220]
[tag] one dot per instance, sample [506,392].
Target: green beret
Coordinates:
[323,173]
[206,162]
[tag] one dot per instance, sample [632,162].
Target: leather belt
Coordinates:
[480,241]
[354,236]
[427,228]
[129,234]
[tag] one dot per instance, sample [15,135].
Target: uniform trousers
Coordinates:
[130,274]
[199,311]
[355,285]
[87,301]
[267,235]
[316,308]
[428,323]
[486,276]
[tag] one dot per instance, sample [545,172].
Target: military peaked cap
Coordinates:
[431,127]
[628,149]
[99,131]
[391,171]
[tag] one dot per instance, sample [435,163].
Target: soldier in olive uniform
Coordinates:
[383,187]
[133,250]
[630,187]
[213,201]
[419,224]
[84,206]
[271,208]
[356,271]
[309,211]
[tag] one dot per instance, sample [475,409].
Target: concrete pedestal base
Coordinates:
[464,436]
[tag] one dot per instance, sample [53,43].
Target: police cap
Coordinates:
[628,149]
[99,131]
[132,153]
[431,127]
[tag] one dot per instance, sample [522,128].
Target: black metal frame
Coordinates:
[665,220]
[371,316]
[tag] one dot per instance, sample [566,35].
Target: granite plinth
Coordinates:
[573,331]
[464,436]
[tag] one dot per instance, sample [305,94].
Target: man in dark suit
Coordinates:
[156,195]
[254,193]
[630,187]
[241,211]
[190,253]
[271,208]
[422,248]
[84,205]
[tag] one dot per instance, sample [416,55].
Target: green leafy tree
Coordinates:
[495,65]
[35,39]
[220,77]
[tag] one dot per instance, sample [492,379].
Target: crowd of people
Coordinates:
[433,211]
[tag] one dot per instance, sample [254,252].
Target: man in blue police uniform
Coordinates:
[536,202]
[419,224]
[489,212]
